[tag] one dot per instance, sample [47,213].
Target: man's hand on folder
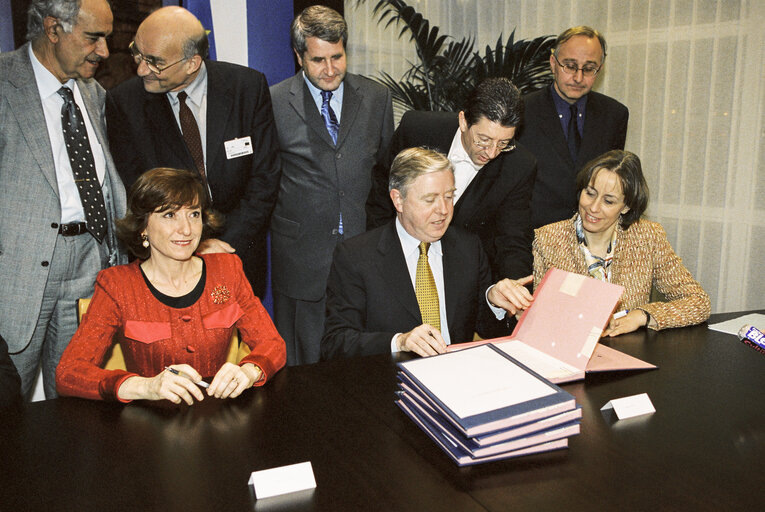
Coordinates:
[511,294]
[424,340]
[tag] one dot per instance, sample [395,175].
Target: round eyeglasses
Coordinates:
[503,146]
[571,69]
[151,62]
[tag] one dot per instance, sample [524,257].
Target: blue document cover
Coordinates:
[482,390]
[548,429]
[463,457]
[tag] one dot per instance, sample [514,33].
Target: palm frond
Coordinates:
[525,62]
[426,39]
[410,95]
[447,73]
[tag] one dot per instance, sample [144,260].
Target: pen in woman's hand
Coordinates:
[201,383]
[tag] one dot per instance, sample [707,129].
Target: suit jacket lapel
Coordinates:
[452,269]
[220,102]
[552,128]
[592,120]
[351,101]
[94,113]
[478,189]
[392,267]
[27,109]
[305,107]
[164,128]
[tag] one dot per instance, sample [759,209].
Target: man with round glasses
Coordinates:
[567,124]
[494,175]
[215,118]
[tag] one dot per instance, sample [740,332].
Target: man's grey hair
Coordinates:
[318,21]
[196,46]
[65,11]
[412,163]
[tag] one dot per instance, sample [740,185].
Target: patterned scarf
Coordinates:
[597,267]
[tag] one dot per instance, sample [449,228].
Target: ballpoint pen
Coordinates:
[201,383]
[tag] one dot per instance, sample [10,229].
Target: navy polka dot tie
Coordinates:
[83,165]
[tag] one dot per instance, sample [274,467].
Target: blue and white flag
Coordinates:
[254,33]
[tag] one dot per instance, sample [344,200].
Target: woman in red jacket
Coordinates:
[173,310]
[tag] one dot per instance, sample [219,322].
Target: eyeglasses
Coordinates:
[503,146]
[571,69]
[151,62]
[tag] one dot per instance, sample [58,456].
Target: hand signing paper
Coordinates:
[424,340]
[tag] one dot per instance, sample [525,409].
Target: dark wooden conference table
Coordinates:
[704,448]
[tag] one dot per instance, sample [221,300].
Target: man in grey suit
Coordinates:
[51,247]
[334,128]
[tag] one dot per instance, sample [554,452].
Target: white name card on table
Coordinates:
[630,406]
[282,480]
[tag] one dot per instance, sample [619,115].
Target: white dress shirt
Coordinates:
[465,170]
[411,248]
[336,101]
[48,86]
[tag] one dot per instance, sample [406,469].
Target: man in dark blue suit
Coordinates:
[567,125]
[415,284]
[212,117]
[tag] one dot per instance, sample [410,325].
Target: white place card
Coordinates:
[732,326]
[630,406]
[282,480]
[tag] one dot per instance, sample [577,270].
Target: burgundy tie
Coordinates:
[191,135]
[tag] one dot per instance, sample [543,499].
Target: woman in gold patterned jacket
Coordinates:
[608,240]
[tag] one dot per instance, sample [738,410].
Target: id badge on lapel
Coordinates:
[238,147]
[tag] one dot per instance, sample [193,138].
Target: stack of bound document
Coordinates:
[480,404]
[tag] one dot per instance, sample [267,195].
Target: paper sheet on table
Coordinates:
[732,326]
[476,381]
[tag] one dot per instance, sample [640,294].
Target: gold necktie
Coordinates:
[425,290]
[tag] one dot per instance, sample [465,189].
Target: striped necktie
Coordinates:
[330,119]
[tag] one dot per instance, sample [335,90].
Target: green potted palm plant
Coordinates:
[448,69]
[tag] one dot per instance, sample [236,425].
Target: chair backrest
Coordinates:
[116,361]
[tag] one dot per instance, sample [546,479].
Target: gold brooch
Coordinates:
[220,294]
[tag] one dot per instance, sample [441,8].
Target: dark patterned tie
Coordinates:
[330,120]
[191,135]
[425,290]
[574,139]
[83,165]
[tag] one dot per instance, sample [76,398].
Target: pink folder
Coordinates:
[558,335]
